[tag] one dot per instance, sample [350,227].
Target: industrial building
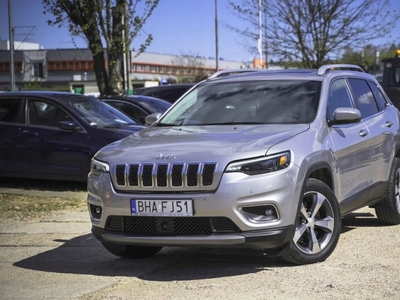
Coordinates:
[72,69]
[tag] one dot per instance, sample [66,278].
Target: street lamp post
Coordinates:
[11,38]
[260,34]
[216,37]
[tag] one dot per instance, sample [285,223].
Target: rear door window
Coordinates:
[363,97]
[45,114]
[9,110]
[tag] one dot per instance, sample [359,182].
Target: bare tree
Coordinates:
[113,23]
[191,67]
[313,31]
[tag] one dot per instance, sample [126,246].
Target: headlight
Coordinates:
[98,167]
[261,165]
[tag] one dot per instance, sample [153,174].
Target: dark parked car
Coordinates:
[170,93]
[50,135]
[138,107]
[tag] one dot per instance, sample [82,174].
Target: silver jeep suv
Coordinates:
[265,159]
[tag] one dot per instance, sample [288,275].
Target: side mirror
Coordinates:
[69,126]
[345,115]
[150,119]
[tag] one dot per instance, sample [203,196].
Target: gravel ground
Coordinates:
[58,258]
[365,265]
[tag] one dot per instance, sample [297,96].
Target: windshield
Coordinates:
[99,114]
[154,105]
[255,102]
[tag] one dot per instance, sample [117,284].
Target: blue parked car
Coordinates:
[54,135]
[137,107]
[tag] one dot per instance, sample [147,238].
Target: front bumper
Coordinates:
[258,239]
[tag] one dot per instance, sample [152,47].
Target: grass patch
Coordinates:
[26,207]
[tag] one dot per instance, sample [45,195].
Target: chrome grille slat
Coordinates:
[147,175]
[133,176]
[191,175]
[176,176]
[120,174]
[164,175]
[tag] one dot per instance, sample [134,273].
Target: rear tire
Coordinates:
[318,225]
[127,251]
[388,211]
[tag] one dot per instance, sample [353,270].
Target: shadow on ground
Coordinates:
[360,219]
[85,255]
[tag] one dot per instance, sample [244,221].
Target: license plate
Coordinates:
[162,207]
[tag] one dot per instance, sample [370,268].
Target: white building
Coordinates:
[5,45]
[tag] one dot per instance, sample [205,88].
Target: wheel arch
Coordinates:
[323,172]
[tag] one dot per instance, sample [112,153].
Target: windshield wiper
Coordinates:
[165,125]
[233,123]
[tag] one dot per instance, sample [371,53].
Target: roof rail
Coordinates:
[231,72]
[323,69]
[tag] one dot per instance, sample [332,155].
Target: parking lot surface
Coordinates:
[58,258]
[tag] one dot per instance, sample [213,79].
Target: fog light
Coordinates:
[269,212]
[96,211]
[262,213]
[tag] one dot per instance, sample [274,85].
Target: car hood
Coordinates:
[109,135]
[198,143]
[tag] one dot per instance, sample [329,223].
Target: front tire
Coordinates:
[127,251]
[388,211]
[318,225]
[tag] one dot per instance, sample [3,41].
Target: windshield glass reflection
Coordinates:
[99,114]
[263,102]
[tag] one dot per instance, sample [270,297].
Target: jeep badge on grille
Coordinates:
[168,156]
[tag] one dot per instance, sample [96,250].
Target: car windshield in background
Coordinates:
[263,102]
[154,106]
[99,114]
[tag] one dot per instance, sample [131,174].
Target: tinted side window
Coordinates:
[170,96]
[363,97]
[338,97]
[9,108]
[45,114]
[380,99]
[131,110]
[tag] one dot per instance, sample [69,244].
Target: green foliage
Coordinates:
[107,26]
[370,57]
[33,85]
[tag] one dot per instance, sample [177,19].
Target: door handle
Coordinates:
[363,133]
[389,124]
[26,133]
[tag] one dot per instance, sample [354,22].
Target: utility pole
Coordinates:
[11,38]
[216,37]
[260,34]
[127,50]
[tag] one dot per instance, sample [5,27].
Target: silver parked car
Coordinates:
[268,159]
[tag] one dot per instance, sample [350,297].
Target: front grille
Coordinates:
[164,175]
[171,226]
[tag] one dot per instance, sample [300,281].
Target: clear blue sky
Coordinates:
[178,26]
